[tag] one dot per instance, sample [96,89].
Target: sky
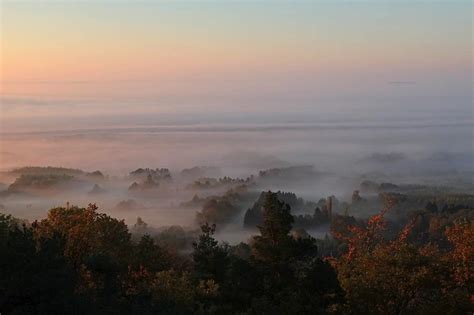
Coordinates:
[86,64]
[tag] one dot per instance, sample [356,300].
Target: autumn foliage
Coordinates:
[80,261]
[396,276]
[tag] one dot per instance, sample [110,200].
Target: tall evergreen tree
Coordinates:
[273,245]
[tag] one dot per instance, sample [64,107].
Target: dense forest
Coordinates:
[81,261]
[238,246]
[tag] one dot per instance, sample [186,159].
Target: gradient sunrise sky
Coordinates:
[134,62]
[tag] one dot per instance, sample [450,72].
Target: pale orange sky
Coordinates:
[89,59]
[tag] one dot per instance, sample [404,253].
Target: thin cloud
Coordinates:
[402,82]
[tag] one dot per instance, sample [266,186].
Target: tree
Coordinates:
[294,278]
[34,277]
[210,259]
[96,246]
[394,276]
[86,232]
[148,255]
[461,236]
[274,243]
[217,211]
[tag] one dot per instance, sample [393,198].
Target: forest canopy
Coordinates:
[79,260]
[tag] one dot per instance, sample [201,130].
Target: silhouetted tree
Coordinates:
[210,259]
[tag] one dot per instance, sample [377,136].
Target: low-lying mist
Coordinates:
[191,166]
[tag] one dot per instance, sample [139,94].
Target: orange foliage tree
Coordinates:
[398,277]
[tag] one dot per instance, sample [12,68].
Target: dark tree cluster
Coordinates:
[81,261]
[48,170]
[148,184]
[157,174]
[217,211]
[226,181]
[32,182]
[254,215]
[235,195]
[318,217]
[78,260]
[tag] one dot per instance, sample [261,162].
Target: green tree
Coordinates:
[34,276]
[294,279]
[273,245]
[210,259]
